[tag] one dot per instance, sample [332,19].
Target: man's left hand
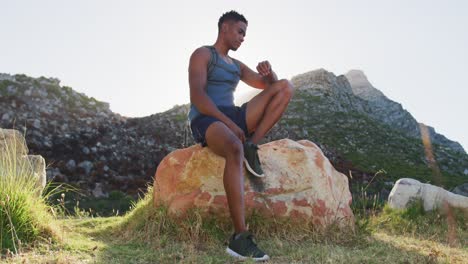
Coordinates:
[264,68]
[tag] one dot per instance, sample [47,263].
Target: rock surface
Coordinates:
[392,113]
[299,182]
[407,190]
[84,142]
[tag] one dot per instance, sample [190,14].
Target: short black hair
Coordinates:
[231,16]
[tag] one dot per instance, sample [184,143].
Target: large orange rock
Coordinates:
[299,182]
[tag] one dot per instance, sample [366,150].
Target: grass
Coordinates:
[148,234]
[24,216]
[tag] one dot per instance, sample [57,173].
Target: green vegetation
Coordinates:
[150,234]
[371,145]
[65,94]
[118,203]
[24,216]
[3,87]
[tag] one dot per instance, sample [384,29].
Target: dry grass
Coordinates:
[150,235]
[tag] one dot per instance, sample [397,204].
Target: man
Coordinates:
[230,131]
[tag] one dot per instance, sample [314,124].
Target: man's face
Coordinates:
[235,34]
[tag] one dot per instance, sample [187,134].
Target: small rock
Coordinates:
[86,165]
[97,191]
[37,123]
[28,92]
[389,183]
[52,173]
[85,150]
[71,165]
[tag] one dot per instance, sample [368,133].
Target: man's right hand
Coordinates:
[237,131]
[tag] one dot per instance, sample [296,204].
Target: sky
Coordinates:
[134,54]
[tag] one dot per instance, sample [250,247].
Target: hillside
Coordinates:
[82,140]
[368,131]
[360,130]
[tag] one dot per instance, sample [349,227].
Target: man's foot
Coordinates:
[242,247]
[251,159]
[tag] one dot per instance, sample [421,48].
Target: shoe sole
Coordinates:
[251,170]
[236,255]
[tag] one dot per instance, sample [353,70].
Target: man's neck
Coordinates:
[222,49]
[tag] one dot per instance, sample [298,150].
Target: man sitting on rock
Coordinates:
[230,131]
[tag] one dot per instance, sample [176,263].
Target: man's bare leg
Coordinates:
[223,142]
[265,109]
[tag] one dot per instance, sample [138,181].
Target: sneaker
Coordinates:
[251,159]
[242,247]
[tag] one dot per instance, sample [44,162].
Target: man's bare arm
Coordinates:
[197,81]
[265,76]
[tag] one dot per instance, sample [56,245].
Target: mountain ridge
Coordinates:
[89,145]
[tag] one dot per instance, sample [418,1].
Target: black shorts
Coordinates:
[200,124]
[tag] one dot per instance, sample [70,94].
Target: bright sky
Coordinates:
[134,54]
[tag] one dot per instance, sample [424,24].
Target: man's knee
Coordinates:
[234,147]
[287,88]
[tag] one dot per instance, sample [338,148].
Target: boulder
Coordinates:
[38,166]
[299,182]
[407,190]
[13,148]
[12,141]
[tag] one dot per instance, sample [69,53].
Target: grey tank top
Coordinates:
[222,80]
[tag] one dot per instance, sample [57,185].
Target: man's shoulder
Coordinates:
[202,53]
[203,49]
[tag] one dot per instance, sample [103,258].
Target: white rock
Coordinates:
[97,191]
[37,123]
[12,140]
[5,116]
[38,166]
[28,92]
[433,197]
[13,143]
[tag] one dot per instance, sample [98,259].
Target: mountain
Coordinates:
[369,131]
[82,140]
[392,113]
[360,130]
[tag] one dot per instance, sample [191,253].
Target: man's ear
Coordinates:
[224,27]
